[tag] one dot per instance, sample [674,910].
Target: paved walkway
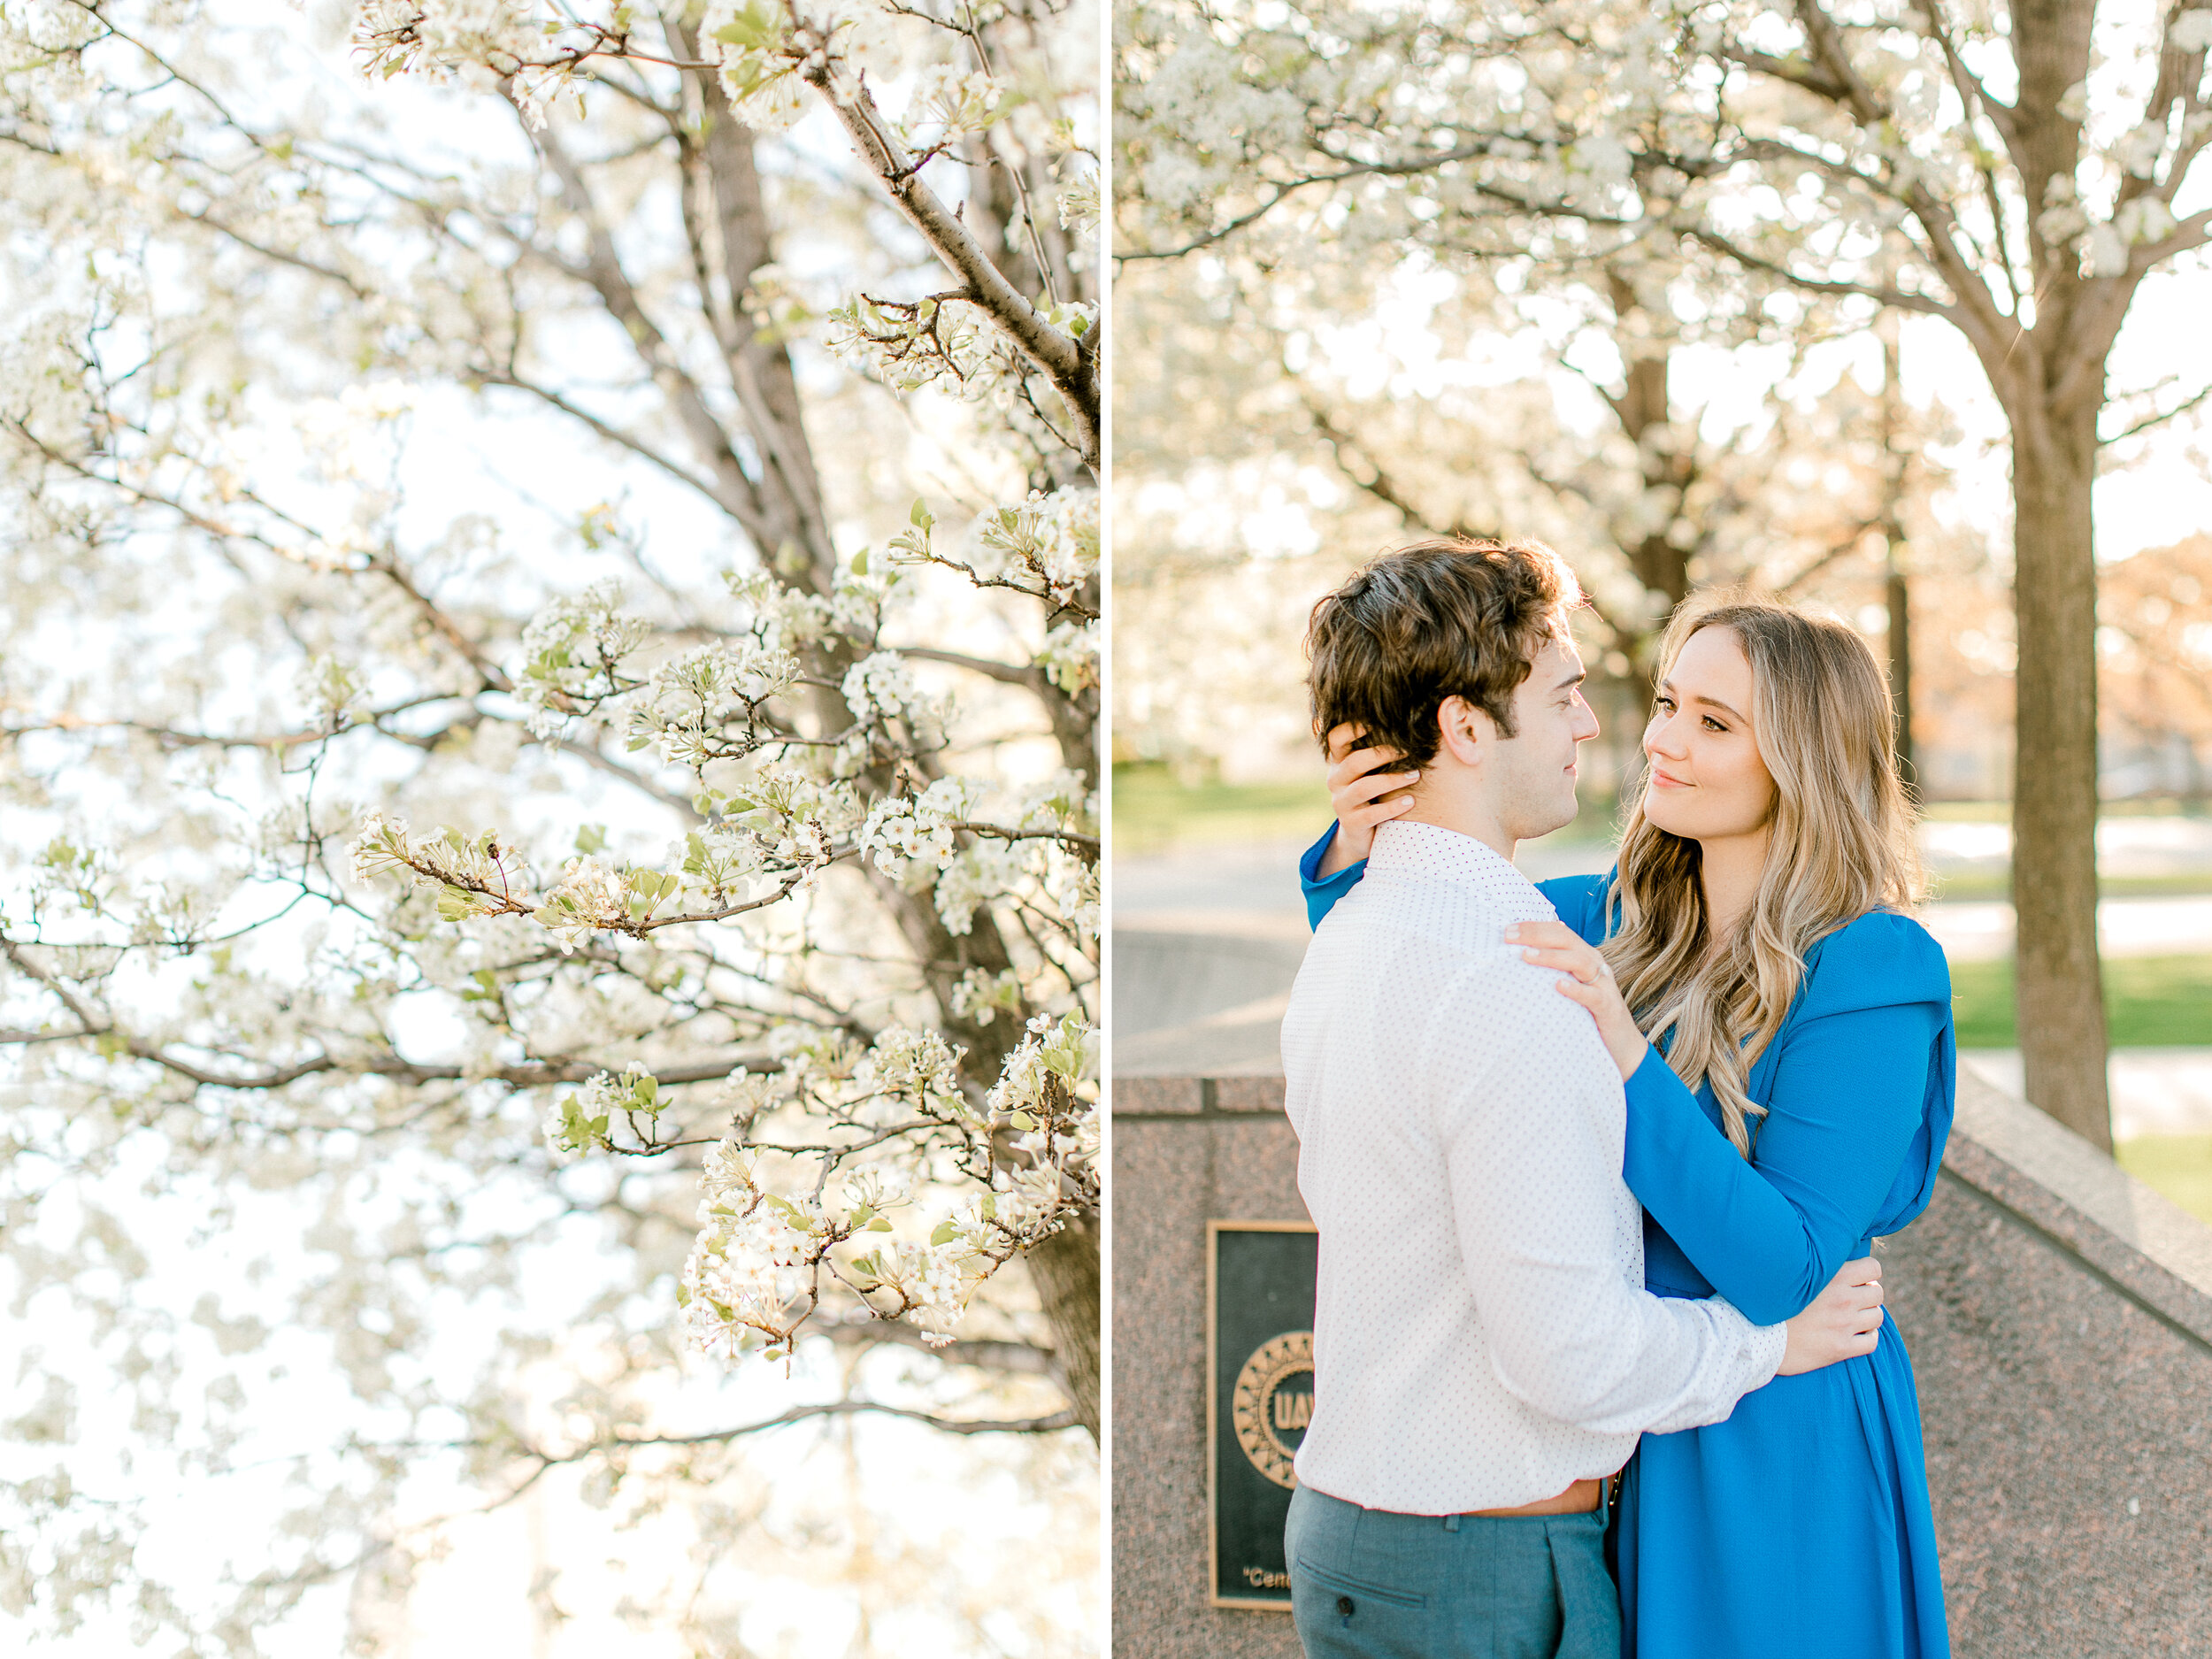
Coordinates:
[2154,1091]
[1248,893]
[1983,932]
[1260,880]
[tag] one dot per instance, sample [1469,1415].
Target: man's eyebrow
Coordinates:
[1713,703]
[1575,679]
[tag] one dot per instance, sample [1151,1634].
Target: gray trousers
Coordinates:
[1370,1584]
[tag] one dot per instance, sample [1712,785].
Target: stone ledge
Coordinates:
[2059,1185]
[2044,1175]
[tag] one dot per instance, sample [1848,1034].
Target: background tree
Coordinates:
[466,456]
[1350,399]
[2016,173]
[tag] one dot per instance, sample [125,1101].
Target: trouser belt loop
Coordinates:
[1451,1523]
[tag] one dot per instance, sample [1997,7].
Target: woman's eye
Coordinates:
[1711,724]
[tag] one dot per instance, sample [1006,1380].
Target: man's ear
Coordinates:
[1464,731]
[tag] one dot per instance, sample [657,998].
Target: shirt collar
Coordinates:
[1441,855]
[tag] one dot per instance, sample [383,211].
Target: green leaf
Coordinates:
[881,1223]
[752,29]
[945,1234]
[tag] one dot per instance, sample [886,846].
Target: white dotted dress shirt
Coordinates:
[1482,1337]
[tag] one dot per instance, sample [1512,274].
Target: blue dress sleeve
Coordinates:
[1847,1093]
[1321,895]
[1580,902]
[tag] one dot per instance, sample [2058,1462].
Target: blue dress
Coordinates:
[1800,1525]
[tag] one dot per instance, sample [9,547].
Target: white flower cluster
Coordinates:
[330,689]
[759,69]
[1041,1081]
[1070,657]
[42,366]
[903,829]
[748,1094]
[788,619]
[591,896]
[720,865]
[909,345]
[1078,203]
[946,104]
[754,1271]
[983,997]
[579,1122]
[571,655]
[439,37]
[1052,538]
[912,837]
[795,820]
[918,1069]
[1201,116]
[472,876]
[750,1274]
[535,50]
[881,687]
[935,1280]
[692,698]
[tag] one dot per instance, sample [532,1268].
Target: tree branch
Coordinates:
[1065,362]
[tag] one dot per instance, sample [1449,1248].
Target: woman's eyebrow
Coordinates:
[1667,686]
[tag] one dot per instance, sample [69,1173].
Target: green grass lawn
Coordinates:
[2149,1001]
[1153,811]
[2179,1167]
[1957,885]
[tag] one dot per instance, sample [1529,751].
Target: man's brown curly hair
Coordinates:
[1446,617]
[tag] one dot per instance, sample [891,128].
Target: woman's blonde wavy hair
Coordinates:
[1841,844]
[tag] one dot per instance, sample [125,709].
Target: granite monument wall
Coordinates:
[2059,1315]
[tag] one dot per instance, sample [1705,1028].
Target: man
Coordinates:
[1484,1352]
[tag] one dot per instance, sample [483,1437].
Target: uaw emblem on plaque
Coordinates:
[1274,1403]
[1259,1399]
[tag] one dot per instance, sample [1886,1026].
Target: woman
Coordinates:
[1751,965]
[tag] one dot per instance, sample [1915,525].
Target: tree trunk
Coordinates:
[2060,992]
[1900,596]
[1064,1269]
[1896,590]
[796,541]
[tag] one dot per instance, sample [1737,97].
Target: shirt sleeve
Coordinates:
[1849,1095]
[1321,895]
[1530,1139]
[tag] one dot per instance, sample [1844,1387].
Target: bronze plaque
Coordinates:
[1259,1398]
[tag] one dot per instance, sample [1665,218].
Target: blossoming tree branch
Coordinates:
[669,804]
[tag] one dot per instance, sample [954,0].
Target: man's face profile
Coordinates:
[1534,786]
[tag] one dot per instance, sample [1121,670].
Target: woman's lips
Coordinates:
[1662,780]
